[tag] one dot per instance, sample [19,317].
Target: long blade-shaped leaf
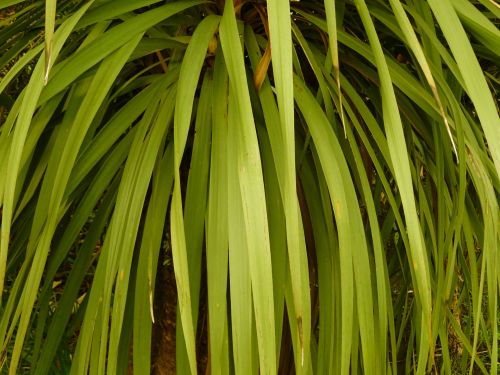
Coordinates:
[281,53]
[163,179]
[28,106]
[50,24]
[354,261]
[401,162]
[217,223]
[97,91]
[252,194]
[476,85]
[412,41]
[331,21]
[239,269]
[190,70]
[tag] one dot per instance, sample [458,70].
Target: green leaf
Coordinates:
[163,178]
[475,83]
[27,109]
[50,24]
[281,54]
[190,70]
[354,262]
[217,224]
[399,156]
[252,194]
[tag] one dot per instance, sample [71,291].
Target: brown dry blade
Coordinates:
[164,66]
[263,17]
[261,71]
[263,66]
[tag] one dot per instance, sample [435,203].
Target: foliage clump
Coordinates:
[307,186]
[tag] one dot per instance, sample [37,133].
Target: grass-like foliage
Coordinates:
[325,173]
